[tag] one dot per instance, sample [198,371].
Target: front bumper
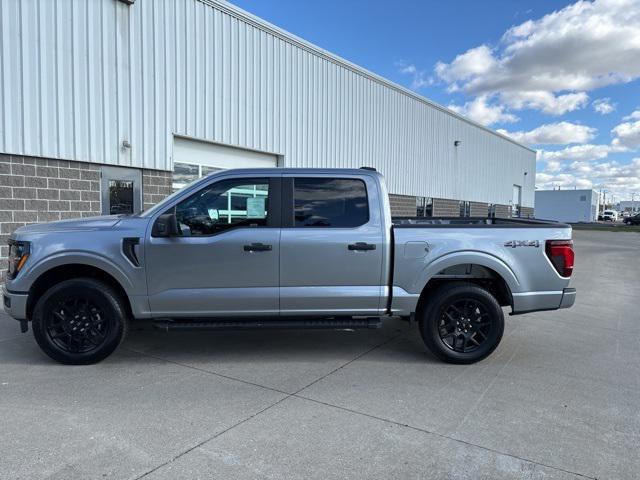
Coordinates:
[15,303]
[526,302]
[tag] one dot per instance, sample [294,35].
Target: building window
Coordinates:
[185,173]
[424,207]
[120,197]
[465,209]
[330,202]
[583,198]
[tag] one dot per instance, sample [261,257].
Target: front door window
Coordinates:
[224,205]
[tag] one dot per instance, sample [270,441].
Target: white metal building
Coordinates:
[157,86]
[631,206]
[567,205]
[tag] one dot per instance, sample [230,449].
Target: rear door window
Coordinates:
[330,202]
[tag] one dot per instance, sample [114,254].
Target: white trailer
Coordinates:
[567,205]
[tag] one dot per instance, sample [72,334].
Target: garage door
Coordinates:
[193,159]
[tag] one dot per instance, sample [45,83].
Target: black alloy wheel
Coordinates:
[77,325]
[464,325]
[80,321]
[461,322]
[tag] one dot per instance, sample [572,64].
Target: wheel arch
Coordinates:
[64,272]
[468,273]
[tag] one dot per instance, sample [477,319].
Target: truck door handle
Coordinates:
[362,246]
[257,247]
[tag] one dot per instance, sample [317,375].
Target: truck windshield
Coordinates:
[163,203]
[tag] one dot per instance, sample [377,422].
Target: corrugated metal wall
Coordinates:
[79,77]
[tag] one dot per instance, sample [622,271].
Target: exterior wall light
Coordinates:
[457,143]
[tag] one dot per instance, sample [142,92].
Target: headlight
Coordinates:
[18,255]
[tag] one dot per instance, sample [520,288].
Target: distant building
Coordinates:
[629,206]
[567,205]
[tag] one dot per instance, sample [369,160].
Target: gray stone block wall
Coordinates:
[156,185]
[443,207]
[402,205]
[36,190]
[503,211]
[526,212]
[478,209]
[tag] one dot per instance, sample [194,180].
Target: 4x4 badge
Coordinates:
[522,243]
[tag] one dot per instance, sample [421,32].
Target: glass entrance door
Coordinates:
[121,190]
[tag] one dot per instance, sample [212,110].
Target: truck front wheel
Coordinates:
[79,321]
[461,323]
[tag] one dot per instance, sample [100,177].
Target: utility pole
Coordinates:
[602,198]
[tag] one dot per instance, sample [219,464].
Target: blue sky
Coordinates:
[563,77]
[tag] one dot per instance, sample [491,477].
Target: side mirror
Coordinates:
[166,226]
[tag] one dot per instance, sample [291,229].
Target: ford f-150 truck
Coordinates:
[282,248]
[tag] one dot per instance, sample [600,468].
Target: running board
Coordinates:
[334,324]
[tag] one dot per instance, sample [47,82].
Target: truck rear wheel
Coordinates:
[79,321]
[461,323]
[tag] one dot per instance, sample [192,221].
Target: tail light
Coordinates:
[560,253]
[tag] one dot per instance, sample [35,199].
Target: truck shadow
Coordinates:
[396,341]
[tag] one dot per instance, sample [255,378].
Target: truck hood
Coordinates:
[104,222]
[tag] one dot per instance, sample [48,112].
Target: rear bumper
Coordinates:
[526,302]
[15,303]
[568,298]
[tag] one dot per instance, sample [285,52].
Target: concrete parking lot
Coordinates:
[560,398]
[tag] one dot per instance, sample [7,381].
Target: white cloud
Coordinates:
[603,106]
[547,181]
[626,138]
[475,61]
[560,133]
[420,79]
[620,179]
[585,152]
[550,63]
[635,115]
[554,166]
[627,135]
[546,102]
[480,111]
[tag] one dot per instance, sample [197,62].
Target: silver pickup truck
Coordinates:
[282,248]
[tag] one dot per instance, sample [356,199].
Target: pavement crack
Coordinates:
[446,437]
[375,347]
[209,372]
[206,440]
[287,395]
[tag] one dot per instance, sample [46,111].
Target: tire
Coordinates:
[461,323]
[80,321]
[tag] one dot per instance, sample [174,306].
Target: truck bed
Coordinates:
[446,248]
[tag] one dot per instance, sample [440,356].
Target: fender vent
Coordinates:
[129,250]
